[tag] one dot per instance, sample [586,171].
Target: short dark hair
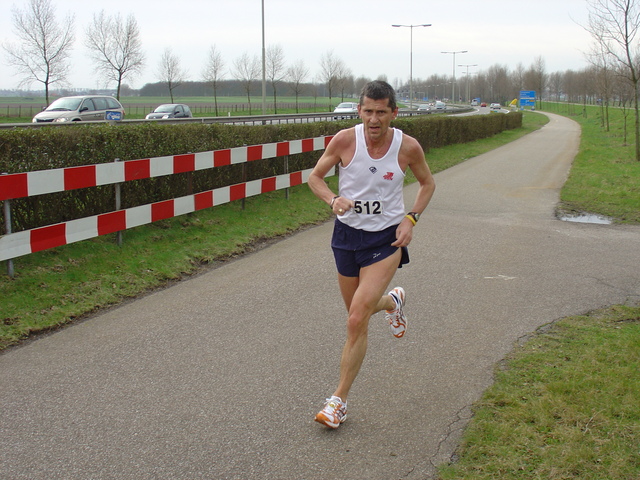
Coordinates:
[379,90]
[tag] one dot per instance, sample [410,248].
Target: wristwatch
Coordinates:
[414,215]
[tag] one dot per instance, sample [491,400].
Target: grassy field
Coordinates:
[138,107]
[40,101]
[22,109]
[564,405]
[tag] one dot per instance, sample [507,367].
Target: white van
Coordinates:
[81,108]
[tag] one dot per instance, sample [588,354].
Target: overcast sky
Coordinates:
[358,32]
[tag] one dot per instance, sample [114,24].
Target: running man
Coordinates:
[372,230]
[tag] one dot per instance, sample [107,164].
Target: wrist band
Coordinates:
[412,219]
[333,200]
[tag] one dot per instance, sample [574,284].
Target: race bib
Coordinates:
[367,207]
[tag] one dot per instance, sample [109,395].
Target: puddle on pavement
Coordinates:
[586,218]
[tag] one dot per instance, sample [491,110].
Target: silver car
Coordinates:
[170,110]
[81,108]
[346,110]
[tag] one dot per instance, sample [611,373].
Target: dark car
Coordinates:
[170,110]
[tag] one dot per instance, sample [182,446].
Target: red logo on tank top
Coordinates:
[388,176]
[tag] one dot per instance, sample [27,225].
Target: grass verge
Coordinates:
[54,287]
[563,406]
[604,176]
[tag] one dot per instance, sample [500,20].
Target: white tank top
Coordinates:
[375,186]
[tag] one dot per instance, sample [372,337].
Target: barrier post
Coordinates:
[244,180]
[118,206]
[189,180]
[6,210]
[286,170]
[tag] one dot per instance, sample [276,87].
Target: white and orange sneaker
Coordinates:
[396,318]
[333,413]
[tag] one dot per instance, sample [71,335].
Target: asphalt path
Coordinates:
[220,376]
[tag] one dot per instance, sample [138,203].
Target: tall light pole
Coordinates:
[411,60]
[474,65]
[453,88]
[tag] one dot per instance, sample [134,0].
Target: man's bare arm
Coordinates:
[339,145]
[414,156]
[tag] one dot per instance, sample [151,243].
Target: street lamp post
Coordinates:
[453,88]
[411,60]
[264,69]
[474,65]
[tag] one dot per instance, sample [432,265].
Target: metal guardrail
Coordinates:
[235,120]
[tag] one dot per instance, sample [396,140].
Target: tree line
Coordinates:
[44,45]
[43,48]
[42,51]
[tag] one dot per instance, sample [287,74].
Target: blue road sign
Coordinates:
[112,115]
[527,98]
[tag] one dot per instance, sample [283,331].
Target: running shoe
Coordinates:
[333,413]
[396,318]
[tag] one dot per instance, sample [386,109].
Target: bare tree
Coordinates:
[296,74]
[602,63]
[43,47]
[614,25]
[330,68]
[623,89]
[275,70]
[170,71]
[247,70]
[518,77]
[116,48]
[361,81]
[538,76]
[346,83]
[556,83]
[213,72]
[498,82]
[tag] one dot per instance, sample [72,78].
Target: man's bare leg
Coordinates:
[363,296]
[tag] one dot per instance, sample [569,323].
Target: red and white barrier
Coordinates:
[18,185]
[35,183]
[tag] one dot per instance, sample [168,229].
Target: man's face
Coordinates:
[376,116]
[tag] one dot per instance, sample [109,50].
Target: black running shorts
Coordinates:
[354,248]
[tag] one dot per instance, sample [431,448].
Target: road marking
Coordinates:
[502,277]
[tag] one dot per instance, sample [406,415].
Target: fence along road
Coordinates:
[219,376]
[35,183]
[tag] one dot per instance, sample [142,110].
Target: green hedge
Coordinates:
[26,149]
[441,130]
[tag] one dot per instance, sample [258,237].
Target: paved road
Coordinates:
[219,377]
